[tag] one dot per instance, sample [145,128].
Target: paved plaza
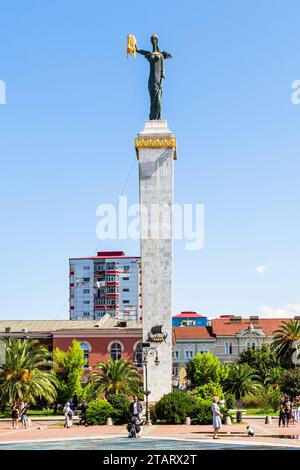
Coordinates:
[53,430]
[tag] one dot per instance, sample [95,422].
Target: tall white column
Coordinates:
[156,151]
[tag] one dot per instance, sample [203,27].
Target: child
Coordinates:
[250,432]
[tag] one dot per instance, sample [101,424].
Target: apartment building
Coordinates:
[109,283]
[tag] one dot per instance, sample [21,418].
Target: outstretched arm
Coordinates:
[166,55]
[140,51]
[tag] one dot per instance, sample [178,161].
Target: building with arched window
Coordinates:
[115,349]
[86,350]
[138,355]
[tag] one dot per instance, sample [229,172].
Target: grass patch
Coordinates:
[259,412]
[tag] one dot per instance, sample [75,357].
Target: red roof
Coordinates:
[192,332]
[225,327]
[188,315]
[110,253]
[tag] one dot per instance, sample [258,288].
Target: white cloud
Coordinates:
[287,311]
[261,269]
[294,307]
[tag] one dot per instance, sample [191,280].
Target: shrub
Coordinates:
[229,401]
[251,401]
[153,415]
[270,399]
[98,411]
[174,407]
[201,413]
[121,405]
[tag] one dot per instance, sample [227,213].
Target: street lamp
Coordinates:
[148,351]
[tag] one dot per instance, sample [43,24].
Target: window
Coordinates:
[139,355]
[228,348]
[125,290]
[188,322]
[85,268]
[86,291]
[176,354]
[189,354]
[85,348]
[203,351]
[175,371]
[253,345]
[112,290]
[110,266]
[86,314]
[86,302]
[125,278]
[125,301]
[86,279]
[116,351]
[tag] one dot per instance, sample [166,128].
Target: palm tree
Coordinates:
[23,375]
[241,380]
[284,339]
[116,377]
[273,376]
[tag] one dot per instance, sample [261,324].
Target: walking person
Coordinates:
[83,417]
[136,410]
[68,415]
[298,409]
[136,407]
[281,415]
[217,417]
[293,411]
[23,414]
[15,415]
[288,410]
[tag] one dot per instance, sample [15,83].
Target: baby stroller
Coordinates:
[133,427]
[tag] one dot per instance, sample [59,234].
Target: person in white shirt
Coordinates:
[68,415]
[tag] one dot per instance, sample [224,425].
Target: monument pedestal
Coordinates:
[156,151]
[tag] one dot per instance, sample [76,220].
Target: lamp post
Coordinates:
[148,351]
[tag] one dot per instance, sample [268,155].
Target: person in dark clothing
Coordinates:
[288,410]
[134,427]
[83,417]
[136,407]
[75,401]
[282,415]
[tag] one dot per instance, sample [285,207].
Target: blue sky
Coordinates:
[74,106]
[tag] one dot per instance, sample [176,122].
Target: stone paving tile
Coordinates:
[236,432]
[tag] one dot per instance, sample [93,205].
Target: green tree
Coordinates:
[69,367]
[291,382]
[261,359]
[204,368]
[116,377]
[283,340]
[241,380]
[274,377]
[24,373]
[208,391]
[269,398]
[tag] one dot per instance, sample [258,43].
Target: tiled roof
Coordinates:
[56,325]
[225,327]
[188,315]
[192,332]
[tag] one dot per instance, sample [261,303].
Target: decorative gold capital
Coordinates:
[155,142]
